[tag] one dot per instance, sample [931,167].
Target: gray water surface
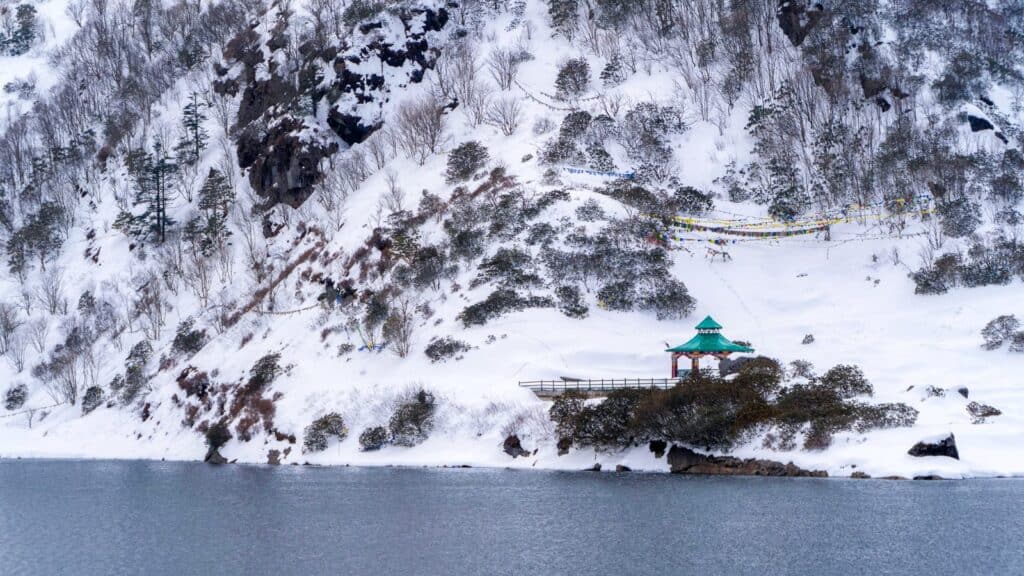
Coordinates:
[100,517]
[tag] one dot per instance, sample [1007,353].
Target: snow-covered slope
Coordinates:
[852,291]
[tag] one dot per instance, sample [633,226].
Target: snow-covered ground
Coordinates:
[851,292]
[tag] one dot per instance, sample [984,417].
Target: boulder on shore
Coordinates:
[214,457]
[941,446]
[685,461]
[513,447]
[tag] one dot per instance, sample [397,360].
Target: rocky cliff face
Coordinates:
[302,104]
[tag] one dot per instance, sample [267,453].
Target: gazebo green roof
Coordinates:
[708,323]
[709,341]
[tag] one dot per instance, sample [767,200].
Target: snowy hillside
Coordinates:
[342,233]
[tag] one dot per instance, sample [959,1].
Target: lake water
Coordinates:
[103,518]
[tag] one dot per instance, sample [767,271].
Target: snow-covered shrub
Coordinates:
[570,302]
[465,160]
[574,125]
[413,419]
[187,339]
[981,412]
[846,381]
[92,399]
[959,217]
[999,331]
[317,434]
[939,276]
[373,438]
[618,295]
[573,78]
[801,369]
[541,234]
[446,348]
[135,377]
[264,372]
[690,201]
[508,267]
[1017,342]
[590,211]
[668,298]
[500,302]
[15,396]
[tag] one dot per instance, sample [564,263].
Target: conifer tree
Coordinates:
[194,136]
[152,173]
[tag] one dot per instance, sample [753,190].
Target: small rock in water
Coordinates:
[622,468]
[938,447]
[594,468]
[860,475]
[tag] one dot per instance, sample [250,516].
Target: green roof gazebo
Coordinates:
[708,342]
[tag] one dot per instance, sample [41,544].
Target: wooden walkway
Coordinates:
[598,387]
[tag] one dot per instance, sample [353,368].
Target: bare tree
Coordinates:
[382,146]
[394,197]
[17,349]
[503,64]
[38,331]
[151,306]
[505,113]
[420,128]
[400,325]
[50,291]
[9,325]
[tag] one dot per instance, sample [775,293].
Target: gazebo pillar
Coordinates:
[675,364]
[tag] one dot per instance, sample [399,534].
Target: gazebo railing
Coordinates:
[601,385]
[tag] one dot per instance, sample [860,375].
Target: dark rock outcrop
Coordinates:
[860,475]
[214,457]
[658,447]
[595,468]
[685,461]
[797,18]
[963,391]
[944,447]
[622,468]
[979,124]
[563,446]
[513,447]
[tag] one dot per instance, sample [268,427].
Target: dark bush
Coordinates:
[217,436]
[847,381]
[92,399]
[317,434]
[689,200]
[570,302]
[465,160]
[135,376]
[373,438]
[413,420]
[999,331]
[498,303]
[446,348]
[573,78]
[15,396]
[589,211]
[188,340]
[718,414]
[667,298]
[264,372]
[619,295]
[959,217]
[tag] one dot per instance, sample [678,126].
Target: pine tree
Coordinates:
[194,136]
[215,198]
[563,16]
[152,173]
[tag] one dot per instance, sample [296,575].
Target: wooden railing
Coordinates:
[599,385]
